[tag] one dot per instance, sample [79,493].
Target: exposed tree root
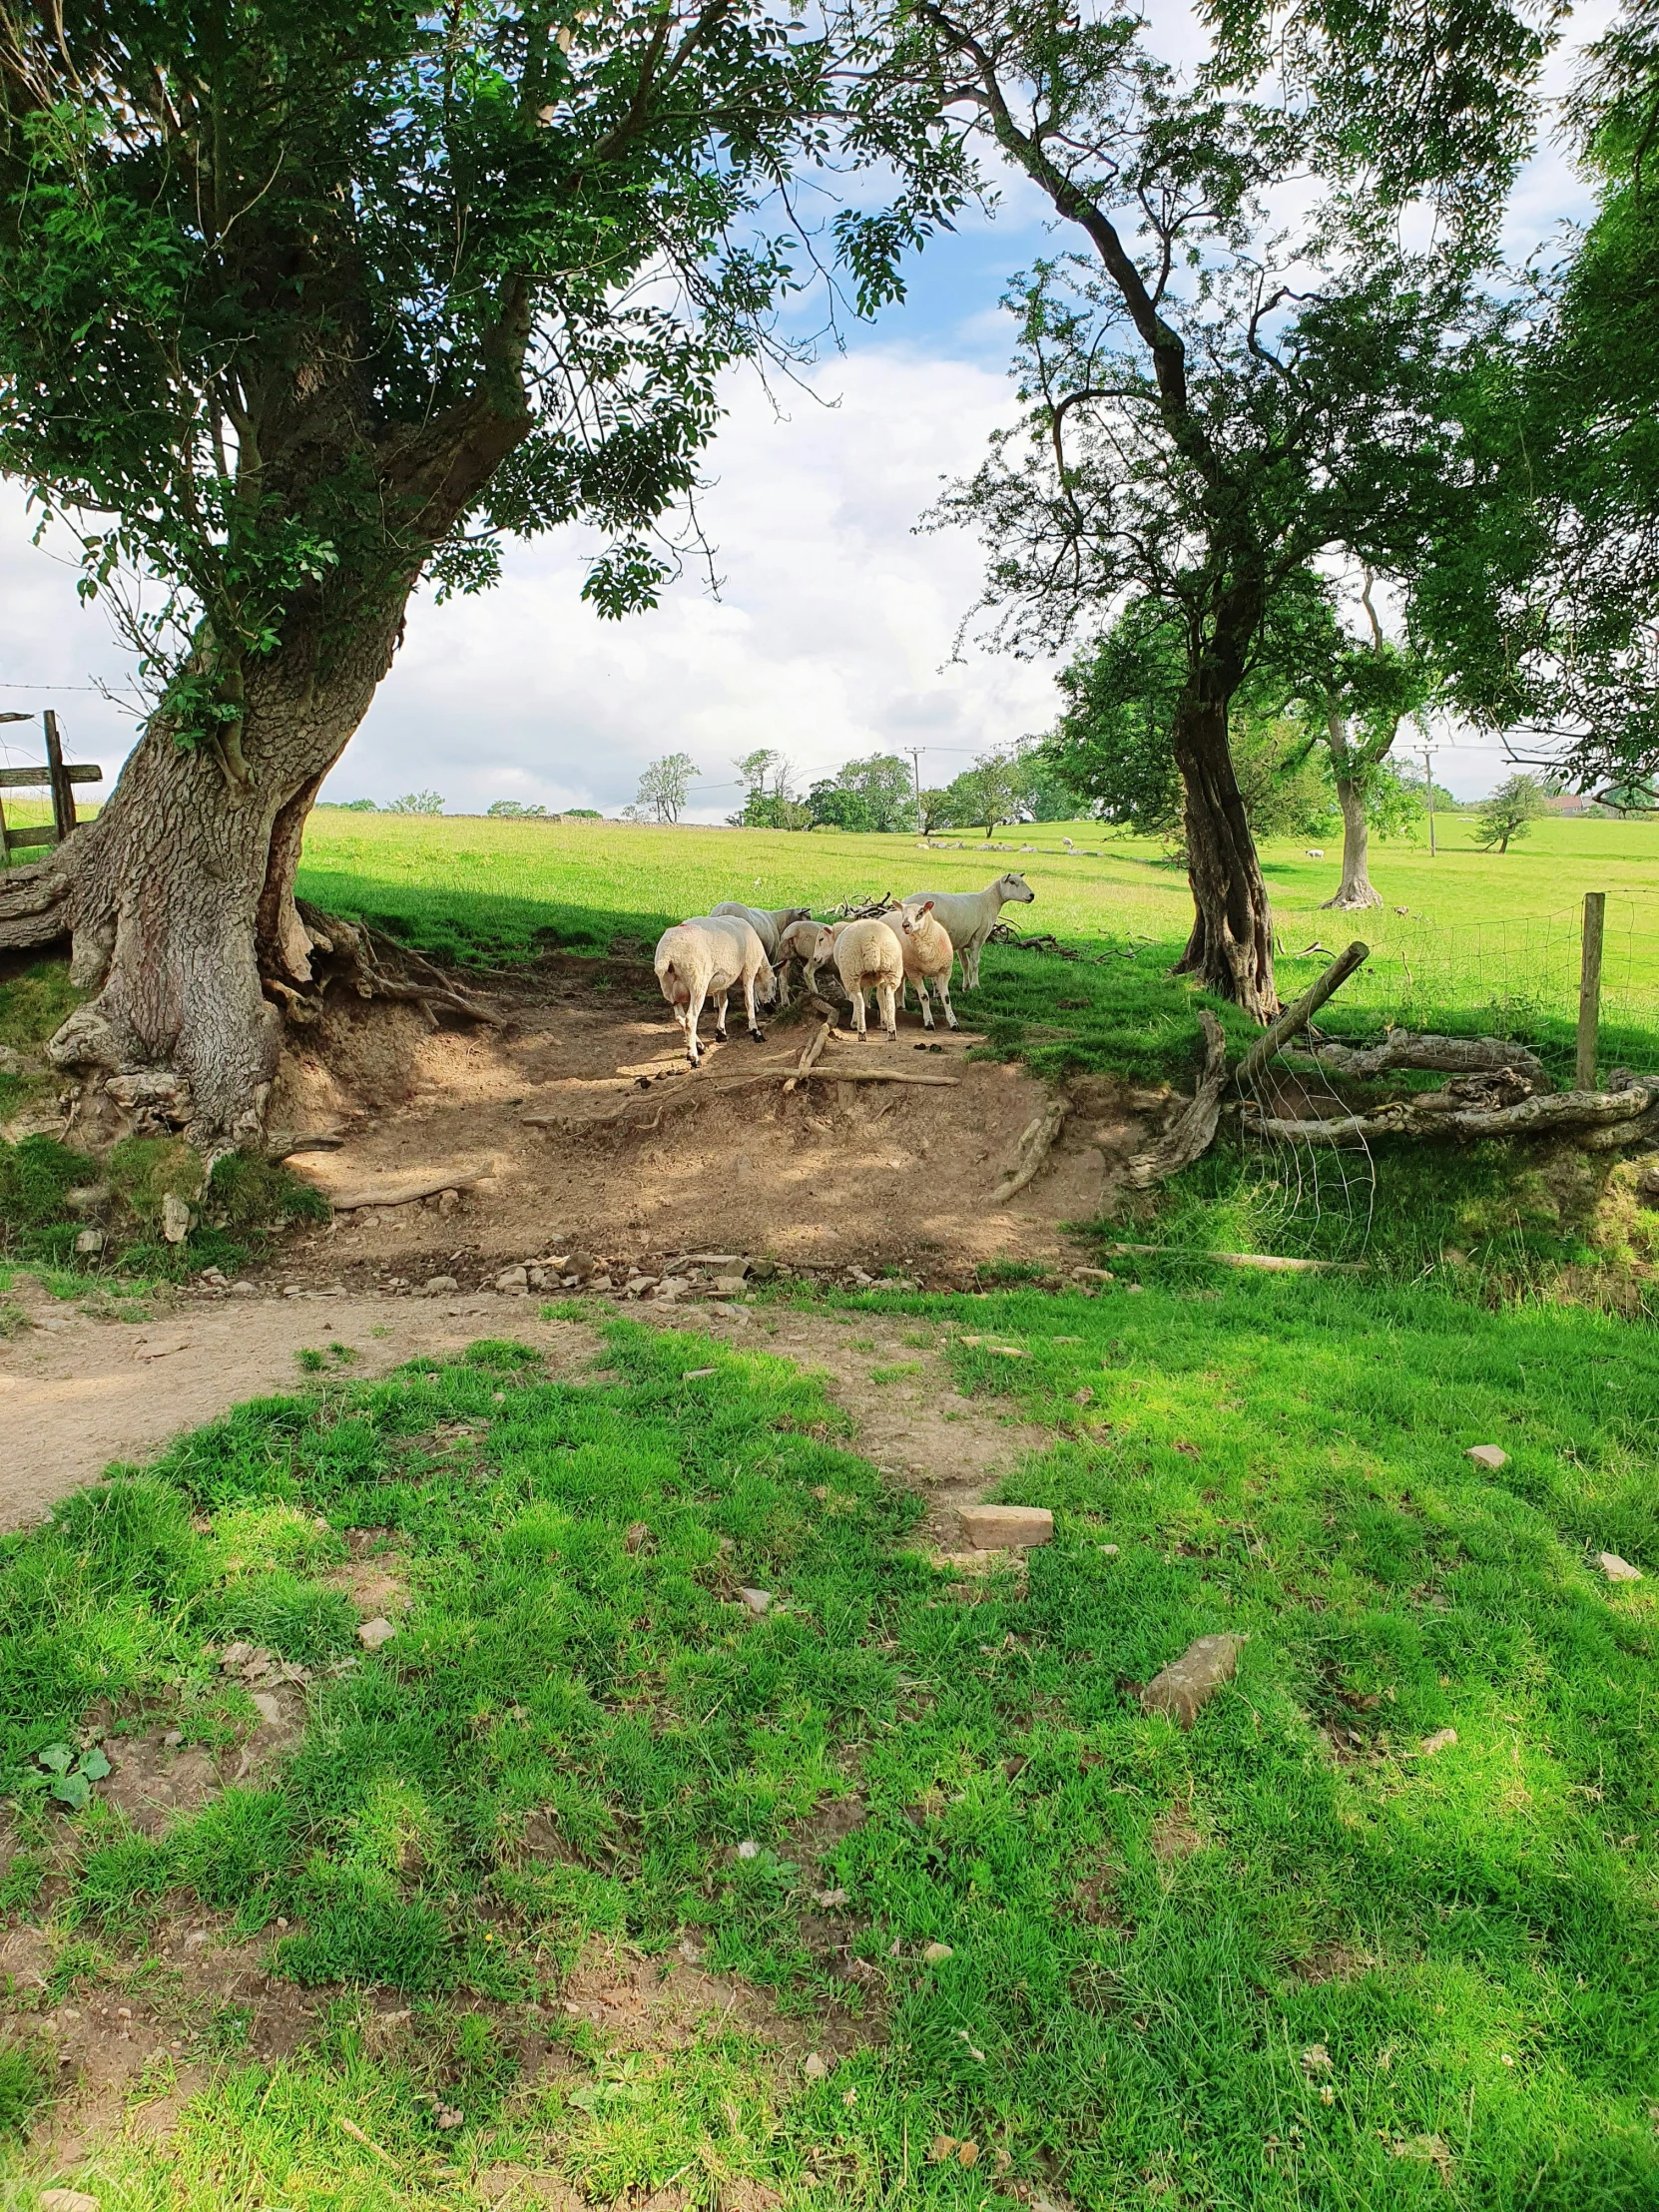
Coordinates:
[374,967]
[1034,1148]
[1195,1132]
[34,905]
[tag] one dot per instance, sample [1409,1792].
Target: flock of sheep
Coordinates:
[916,941]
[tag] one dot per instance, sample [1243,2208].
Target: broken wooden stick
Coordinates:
[1195,1132]
[813,1047]
[1034,1147]
[1295,1018]
[1270,1262]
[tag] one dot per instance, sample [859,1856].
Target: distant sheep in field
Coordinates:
[705,958]
[968,917]
[867,957]
[925,948]
[811,943]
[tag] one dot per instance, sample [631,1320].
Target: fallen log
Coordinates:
[1045,943]
[1617,1117]
[1035,1146]
[1440,1056]
[1195,1132]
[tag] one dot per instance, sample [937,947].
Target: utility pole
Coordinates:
[915,752]
[1428,778]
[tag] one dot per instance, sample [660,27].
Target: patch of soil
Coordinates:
[588,1132]
[1174,1836]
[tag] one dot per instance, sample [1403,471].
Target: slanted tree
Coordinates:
[1236,367]
[301,303]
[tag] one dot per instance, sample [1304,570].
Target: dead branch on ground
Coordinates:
[1448,1055]
[1195,1132]
[1034,1147]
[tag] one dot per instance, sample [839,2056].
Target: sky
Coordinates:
[835,631]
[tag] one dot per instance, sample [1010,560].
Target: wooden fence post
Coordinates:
[63,796]
[1589,988]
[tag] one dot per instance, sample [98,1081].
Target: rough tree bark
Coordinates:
[1231,946]
[179,899]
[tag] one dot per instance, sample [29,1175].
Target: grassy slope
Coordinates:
[1157,1939]
[1486,939]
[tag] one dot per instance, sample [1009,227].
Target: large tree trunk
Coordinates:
[180,899]
[1231,948]
[1356,889]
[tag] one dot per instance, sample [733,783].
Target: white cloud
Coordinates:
[829,638]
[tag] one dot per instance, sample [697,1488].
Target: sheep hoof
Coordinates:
[759,1035]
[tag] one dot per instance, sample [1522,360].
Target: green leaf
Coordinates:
[58,1756]
[73,1789]
[94,1765]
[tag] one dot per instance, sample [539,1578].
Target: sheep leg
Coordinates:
[942,986]
[858,1010]
[782,972]
[694,1006]
[720,1018]
[924,1003]
[889,1019]
[748,982]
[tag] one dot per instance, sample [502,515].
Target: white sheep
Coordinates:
[925,948]
[811,943]
[704,959]
[768,924]
[867,957]
[968,917]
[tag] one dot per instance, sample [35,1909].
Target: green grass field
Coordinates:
[1486,939]
[1292,1960]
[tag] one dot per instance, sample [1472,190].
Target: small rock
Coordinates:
[758,1601]
[436,1286]
[936,1954]
[1094,1275]
[728,1286]
[636,1534]
[1617,1569]
[175,1218]
[174,1738]
[377,1632]
[689,1951]
[447,1202]
[1084,1396]
[1107,1551]
[814,2069]
[242,1288]
[513,1279]
[674,1286]
[1133,1290]
[1488,1455]
[90,1241]
[748,1849]
[829,1899]
[1442,1740]
[67,2200]
[1006,1528]
[1187,1685]
[269,1708]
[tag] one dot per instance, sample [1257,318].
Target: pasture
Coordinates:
[1485,941]
[592,1884]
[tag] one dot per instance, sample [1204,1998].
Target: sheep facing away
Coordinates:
[867,957]
[928,956]
[811,943]
[705,958]
[968,917]
[768,924]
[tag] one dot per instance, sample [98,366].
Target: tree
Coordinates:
[1217,390]
[1510,811]
[764,809]
[935,813]
[514,808]
[299,305]
[987,794]
[1541,592]
[665,785]
[833,806]
[416,802]
[870,795]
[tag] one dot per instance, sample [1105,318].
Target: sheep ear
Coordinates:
[928,909]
